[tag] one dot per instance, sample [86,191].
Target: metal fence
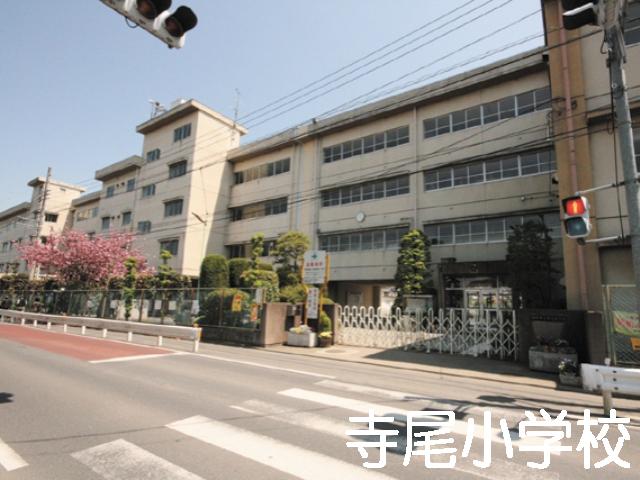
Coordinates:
[226,307]
[490,332]
[623,324]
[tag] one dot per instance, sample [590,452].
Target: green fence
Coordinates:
[621,310]
[223,307]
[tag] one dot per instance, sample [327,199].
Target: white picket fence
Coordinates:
[489,332]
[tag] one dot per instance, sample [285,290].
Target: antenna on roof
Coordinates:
[156,108]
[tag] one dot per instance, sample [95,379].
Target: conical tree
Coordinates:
[413,275]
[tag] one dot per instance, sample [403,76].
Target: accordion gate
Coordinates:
[489,332]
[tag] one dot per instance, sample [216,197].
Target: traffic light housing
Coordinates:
[578,13]
[576,216]
[156,18]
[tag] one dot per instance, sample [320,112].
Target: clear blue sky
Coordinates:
[75,80]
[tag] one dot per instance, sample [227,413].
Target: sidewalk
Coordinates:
[480,368]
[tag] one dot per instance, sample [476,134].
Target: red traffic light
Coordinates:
[575,206]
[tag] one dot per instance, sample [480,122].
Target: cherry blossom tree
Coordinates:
[79,261]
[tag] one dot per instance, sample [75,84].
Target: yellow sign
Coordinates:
[635,344]
[236,305]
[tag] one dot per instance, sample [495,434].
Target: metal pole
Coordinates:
[625,138]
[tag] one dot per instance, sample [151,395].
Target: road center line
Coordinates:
[287,458]
[9,459]
[260,365]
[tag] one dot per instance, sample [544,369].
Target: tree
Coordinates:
[256,278]
[532,278]
[413,274]
[214,272]
[129,289]
[237,266]
[78,261]
[257,248]
[289,252]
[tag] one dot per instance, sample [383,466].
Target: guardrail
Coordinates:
[161,331]
[608,380]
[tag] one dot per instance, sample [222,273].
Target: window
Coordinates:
[388,238]
[264,170]
[236,251]
[508,107]
[153,155]
[131,184]
[182,132]
[173,208]
[636,146]
[106,223]
[149,190]
[379,141]
[260,209]
[632,24]
[51,217]
[489,230]
[389,187]
[111,190]
[126,218]
[275,207]
[528,163]
[178,169]
[144,227]
[94,212]
[170,246]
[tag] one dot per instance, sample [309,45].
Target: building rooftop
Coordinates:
[183,109]
[16,209]
[123,166]
[505,69]
[42,180]
[84,199]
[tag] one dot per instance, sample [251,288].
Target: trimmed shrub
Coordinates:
[262,279]
[217,307]
[237,266]
[293,294]
[265,266]
[325,324]
[214,272]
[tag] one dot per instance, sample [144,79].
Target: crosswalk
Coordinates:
[323,408]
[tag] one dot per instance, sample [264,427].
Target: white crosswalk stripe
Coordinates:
[121,460]
[287,458]
[9,459]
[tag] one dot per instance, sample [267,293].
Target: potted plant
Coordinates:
[301,336]
[324,339]
[325,335]
[547,354]
[569,375]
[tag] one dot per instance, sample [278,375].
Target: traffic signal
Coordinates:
[578,13]
[154,16]
[576,216]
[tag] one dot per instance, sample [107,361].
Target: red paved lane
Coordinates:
[82,348]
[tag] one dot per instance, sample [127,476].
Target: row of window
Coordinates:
[389,187]
[379,141]
[172,208]
[131,186]
[264,170]
[489,230]
[261,209]
[242,250]
[177,169]
[516,165]
[380,239]
[508,107]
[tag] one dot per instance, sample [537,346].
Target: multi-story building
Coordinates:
[23,222]
[173,194]
[462,159]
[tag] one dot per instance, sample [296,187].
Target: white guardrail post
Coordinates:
[130,328]
[608,380]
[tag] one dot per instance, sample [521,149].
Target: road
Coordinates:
[69,411]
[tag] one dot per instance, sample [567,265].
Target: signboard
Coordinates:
[236,305]
[626,323]
[313,300]
[315,267]
[635,344]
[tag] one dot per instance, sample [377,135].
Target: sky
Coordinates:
[75,80]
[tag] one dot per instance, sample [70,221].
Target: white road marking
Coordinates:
[281,456]
[261,365]
[138,357]
[410,397]
[121,460]
[245,410]
[503,470]
[9,459]
[458,427]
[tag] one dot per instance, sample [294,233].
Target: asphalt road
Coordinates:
[234,413]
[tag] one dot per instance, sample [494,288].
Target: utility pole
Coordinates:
[617,57]
[40,219]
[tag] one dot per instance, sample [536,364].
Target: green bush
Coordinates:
[214,272]
[262,279]
[237,266]
[217,307]
[265,266]
[293,294]
[325,324]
